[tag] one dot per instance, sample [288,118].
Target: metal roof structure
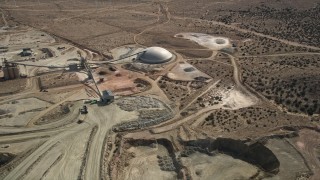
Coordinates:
[155,55]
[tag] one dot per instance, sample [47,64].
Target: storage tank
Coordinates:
[16,72]
[11,72]
[5,73]
[155,55]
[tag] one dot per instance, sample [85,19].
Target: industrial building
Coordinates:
[10,72]
[155,55]
[25,52]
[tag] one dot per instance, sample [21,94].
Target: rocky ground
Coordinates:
[239,100]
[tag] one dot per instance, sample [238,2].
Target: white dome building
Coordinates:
[155,55]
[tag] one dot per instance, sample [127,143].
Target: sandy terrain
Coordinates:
[218,167]
[244,80]
[145,164]
[66,148]
[19,112]
[236,100]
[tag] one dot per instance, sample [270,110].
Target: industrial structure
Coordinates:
[25,52]
[10,70]
[107,96]
[155,55]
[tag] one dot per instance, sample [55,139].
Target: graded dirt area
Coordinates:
[290,159]
[238,100]
[220,166]
[186,72]
[19,112]
[145,164]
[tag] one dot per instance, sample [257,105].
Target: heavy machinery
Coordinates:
[83,110]
[106,97]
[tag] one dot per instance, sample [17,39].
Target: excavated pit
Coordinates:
[55,114]
[142,84]
[221,41]
[198,159]
[255,153]
[101,73]
[189,69]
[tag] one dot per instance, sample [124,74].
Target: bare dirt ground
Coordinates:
[240,100]
[145,164]
[218,167]
[308,145]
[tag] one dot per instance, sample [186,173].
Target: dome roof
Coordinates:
[155,55]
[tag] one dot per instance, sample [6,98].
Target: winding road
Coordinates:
[74,151]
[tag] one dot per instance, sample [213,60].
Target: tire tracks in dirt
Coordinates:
[84,160]
[164,10]
[4,18]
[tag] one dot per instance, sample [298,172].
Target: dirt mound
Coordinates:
[151,112]
[142,84]
[53,80]
[55,114]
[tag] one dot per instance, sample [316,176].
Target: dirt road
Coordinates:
[250,31]
[237,78]
[231,27]
[308,144]
[165,11]
[26,165]
[282,54]
[4,18]
[64,150]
